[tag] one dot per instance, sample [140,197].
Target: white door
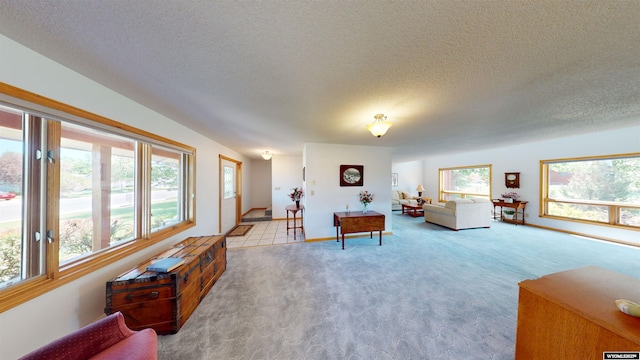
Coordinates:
[229,195]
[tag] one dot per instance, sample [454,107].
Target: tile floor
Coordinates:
[266,233]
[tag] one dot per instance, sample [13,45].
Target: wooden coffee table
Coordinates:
[413,210]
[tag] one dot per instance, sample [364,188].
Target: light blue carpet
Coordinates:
[427,293]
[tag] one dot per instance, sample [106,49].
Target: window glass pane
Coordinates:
[465,182]
[448,197]
[228,182]
[604,190]
[630,217]
[11,221]
[97,177]
[580,211]
[611,180]
[165,185]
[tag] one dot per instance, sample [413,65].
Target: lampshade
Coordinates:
[266,155]
[379,126]
[420,188]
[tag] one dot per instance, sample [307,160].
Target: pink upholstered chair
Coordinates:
[107,338]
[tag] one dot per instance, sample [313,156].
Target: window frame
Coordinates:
[613,207]
[54,274]
[463,195]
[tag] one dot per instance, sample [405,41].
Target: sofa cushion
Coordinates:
[451,204]
[406,195]
[460,213]
[439,209]
[99,337]
[395,195]
[142,345]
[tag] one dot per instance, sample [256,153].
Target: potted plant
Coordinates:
[508,214]
[296,194]
[510,197]
[366,198]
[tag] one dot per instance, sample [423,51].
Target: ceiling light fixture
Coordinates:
[266,155]
[379,126]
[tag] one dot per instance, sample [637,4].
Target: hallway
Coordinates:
[266,233]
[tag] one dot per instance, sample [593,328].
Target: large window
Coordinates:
[97,178]
[601,190]
[463,182]
[78,191]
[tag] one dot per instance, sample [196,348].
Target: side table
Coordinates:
[357,221]
[516,205]
[294,210]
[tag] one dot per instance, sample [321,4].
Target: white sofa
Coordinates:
[399,197]
[460,213]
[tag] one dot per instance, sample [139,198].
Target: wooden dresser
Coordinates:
[164,301]
[572,315]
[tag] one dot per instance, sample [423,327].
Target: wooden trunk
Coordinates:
[164,301]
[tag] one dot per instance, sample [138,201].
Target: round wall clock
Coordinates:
[512,180]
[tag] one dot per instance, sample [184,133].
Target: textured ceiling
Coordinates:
[272,75]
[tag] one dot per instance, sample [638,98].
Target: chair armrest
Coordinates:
[85,342]
[143,345]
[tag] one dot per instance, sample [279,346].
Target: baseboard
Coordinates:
[602,238]
[375,233]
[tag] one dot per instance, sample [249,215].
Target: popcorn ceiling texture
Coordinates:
[256,75]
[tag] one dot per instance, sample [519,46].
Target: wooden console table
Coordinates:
[294,210]
[356,222]
[516,205]
[572,315]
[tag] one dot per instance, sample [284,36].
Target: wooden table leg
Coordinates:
[294,224]
[342,241]
[380,237]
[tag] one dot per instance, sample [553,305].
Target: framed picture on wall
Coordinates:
[512,180]
[394,179]
[351,175]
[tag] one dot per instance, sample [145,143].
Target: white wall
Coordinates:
[525,158]
[324,195]
[82,301]
[286,173]
[260,180]
[410,175]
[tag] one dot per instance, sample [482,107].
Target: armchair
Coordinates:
[107,338]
